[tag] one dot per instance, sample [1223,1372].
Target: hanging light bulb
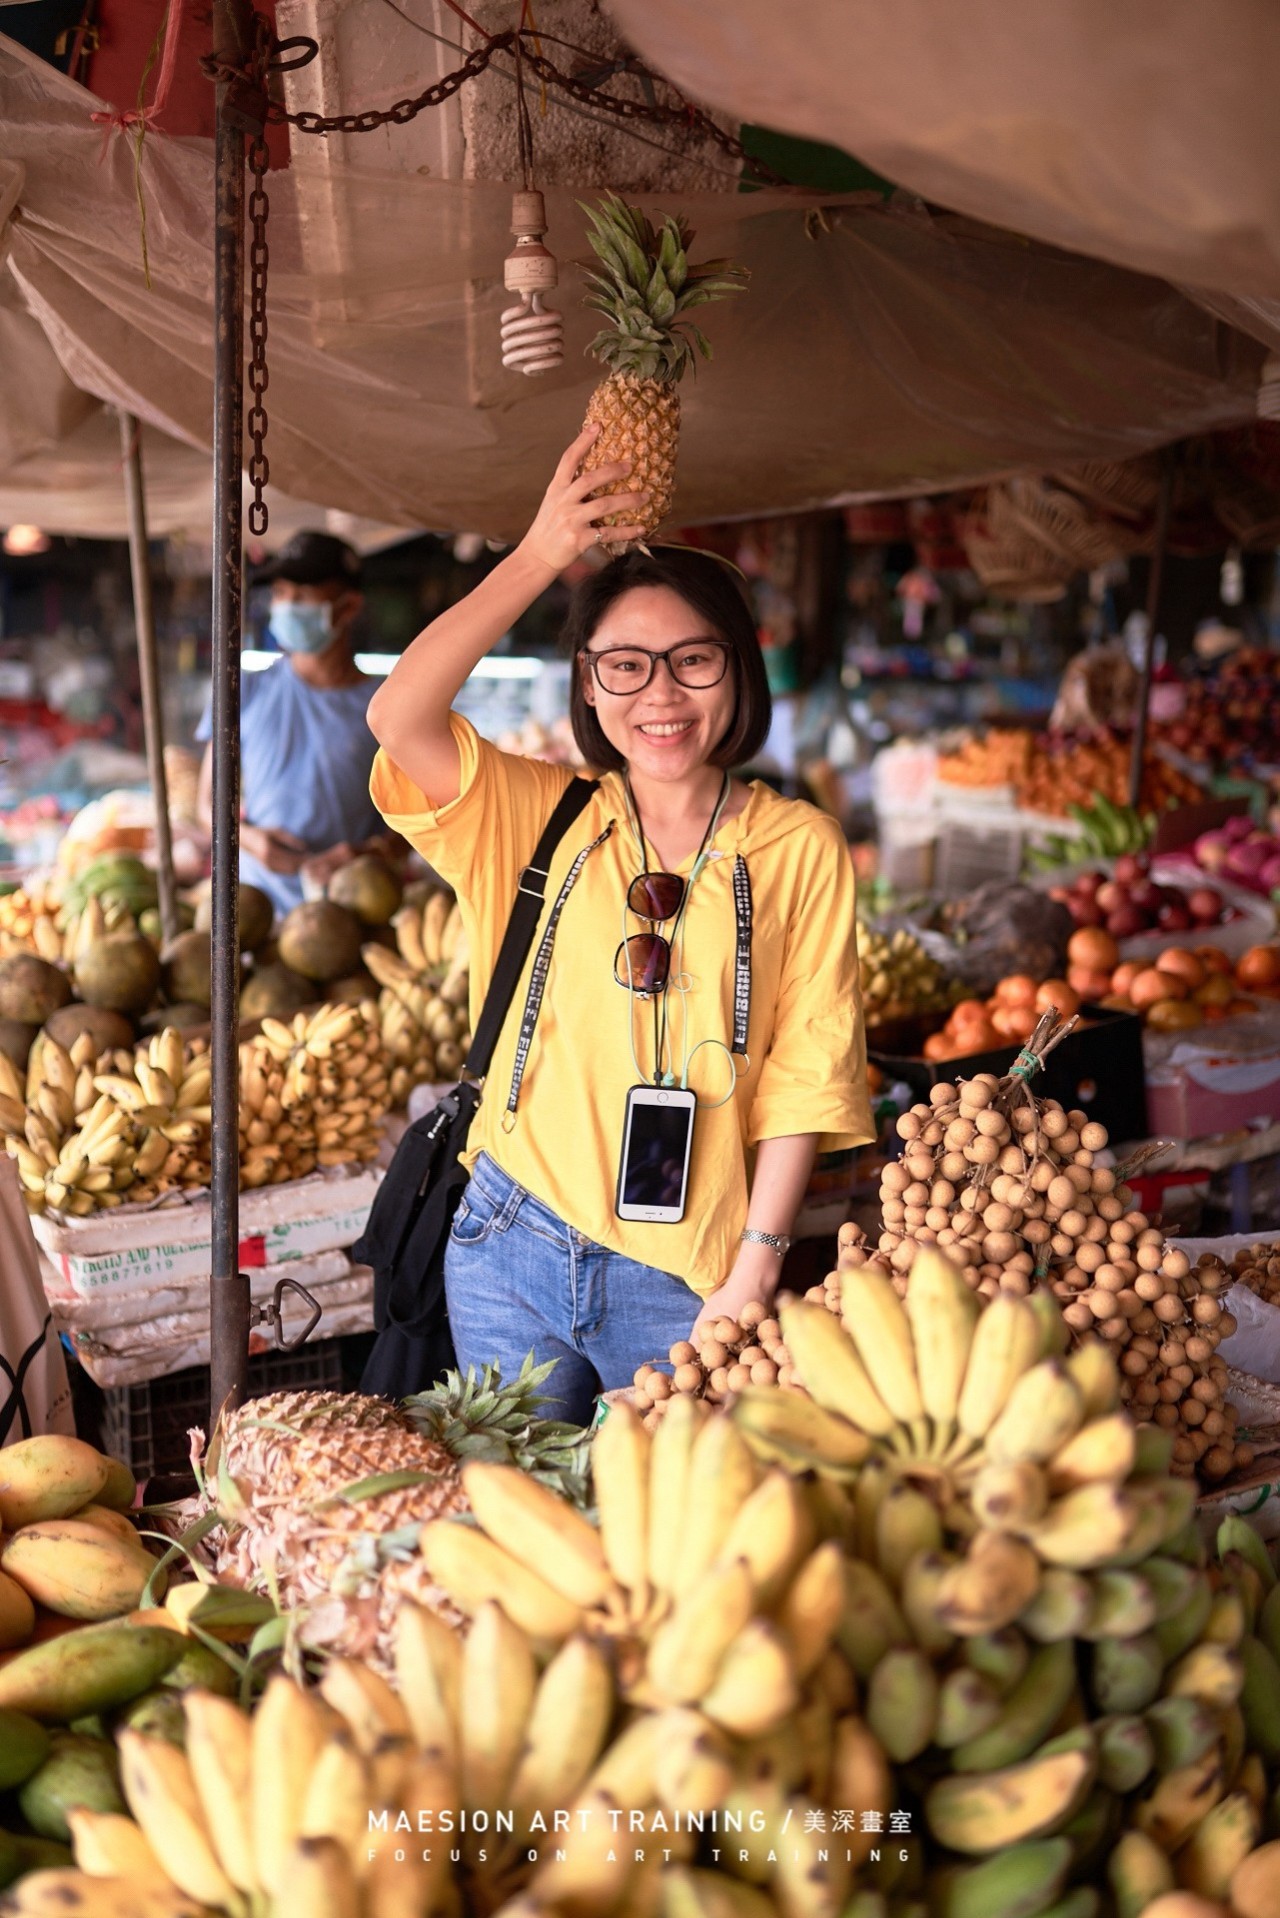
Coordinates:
[1269,389]
[532,334]
[1231,580]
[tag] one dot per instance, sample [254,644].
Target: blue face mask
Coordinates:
[302,626]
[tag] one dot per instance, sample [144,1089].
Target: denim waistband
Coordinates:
[502,1190]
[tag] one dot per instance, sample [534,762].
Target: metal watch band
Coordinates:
[777,1241]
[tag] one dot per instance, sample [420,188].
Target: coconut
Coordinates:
[179,1016]
[256,915]
[15,1041]
[109,1030]
[353,990]
[321,940]
[368,888]
[185,964]
[276,992]
[30,988]
[122,973]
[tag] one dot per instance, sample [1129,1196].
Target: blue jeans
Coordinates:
[518,1279]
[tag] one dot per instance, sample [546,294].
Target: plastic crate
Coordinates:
[146,1425]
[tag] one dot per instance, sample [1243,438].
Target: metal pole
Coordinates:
[149,667]
[1155,581]
[229,1288]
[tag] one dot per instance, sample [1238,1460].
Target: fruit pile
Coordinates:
[1008,1017]
[1241,852]
[733,1354]
[86,1138]
[1184,988]
[1001,757]
[1232,718]
[1258,1267]
[68,1545]
[1065,770]
[1131,902]
[1106,831]
[422,1007]
[29,923]
[1009,1187]
[312,1093]
[898,978]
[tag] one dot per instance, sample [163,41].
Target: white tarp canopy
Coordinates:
[883,349]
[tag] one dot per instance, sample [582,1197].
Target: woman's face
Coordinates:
[663,730]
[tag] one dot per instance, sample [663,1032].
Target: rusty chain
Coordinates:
[688,116]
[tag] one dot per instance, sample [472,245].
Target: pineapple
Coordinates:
[322,1495]
[644,290]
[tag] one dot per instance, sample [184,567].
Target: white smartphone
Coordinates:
[657,1139]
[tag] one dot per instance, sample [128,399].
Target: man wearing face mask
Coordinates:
[305,746]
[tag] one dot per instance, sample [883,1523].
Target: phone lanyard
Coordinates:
[542,966]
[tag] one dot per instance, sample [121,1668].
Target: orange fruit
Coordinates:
[1151,985]
[1174,1015]
[1259,967]
[1056,992]
[1213,959]
[1184,964]
[1093,949]
[1018,989]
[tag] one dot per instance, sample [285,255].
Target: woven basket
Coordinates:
[1126,489]
[1075,533]
[1023,545]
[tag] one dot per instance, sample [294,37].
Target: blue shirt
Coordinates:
[306,753]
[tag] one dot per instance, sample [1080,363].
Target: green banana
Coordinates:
[901,1704]
[1125,1673]
[907,1523]
[1178,1633]
[968,1705]
[1235,1534]
[984,1812]
[1000,1656]
[872,1623]
[1017,1883]
[1260,1699]
[1031,1710]
[918,1596]
[24,1746]
[1126,1752]
[1182,1730]
[1061,1607]
[1123,1605]
[1083,1902]
[1172,1584]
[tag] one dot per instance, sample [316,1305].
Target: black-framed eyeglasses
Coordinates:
[696,664]
[643,962]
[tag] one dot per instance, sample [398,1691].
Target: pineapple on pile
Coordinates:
[298,1480]
[645,289]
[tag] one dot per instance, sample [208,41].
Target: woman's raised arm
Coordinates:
[409,713]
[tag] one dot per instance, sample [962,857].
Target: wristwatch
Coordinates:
[776,1241]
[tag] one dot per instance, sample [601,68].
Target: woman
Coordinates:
[668,692]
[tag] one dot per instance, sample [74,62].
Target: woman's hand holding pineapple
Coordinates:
[564,527]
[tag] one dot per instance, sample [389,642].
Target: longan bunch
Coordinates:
[730,1355]
[1258,1267]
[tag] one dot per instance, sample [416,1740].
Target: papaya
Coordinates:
[121,1487]
[75,1569]
[79,1773]
[92,1669]
[24,1746]
[17,1613]
[47,1477]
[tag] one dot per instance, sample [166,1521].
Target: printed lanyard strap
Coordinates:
[742,956]
[541,966]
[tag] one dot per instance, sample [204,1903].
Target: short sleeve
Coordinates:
[479,841]
[814,1075]
[204,730]
[249,685]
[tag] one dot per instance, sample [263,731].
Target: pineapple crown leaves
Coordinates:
[481,1418]
[645,285]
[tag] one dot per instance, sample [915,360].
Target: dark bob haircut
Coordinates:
[706,585]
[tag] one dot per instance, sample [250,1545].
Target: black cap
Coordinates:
[310,559]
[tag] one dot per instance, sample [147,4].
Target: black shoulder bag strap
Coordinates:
[531,892]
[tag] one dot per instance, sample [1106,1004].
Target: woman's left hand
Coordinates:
[753,1280]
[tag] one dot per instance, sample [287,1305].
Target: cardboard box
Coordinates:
[1098,1068]
[1198,1092]
[140,1249]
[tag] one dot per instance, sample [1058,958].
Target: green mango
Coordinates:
[79,1772]
[24,1745]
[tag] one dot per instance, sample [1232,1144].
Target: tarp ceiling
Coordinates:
[885,350]
[1141,132]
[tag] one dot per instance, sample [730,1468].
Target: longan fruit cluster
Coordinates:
[730,1355]
[1258,1267]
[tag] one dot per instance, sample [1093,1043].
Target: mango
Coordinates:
[10,1859]
[17,1613]
[157,1714]
[112,1524]
[90,1670]
[205,1670]
[47,1477]
[121,1487]
[24,1746]
[75,1569]
[78,1773]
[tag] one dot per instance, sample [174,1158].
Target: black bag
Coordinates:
[408,1227]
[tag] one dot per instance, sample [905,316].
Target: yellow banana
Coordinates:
[695,1768]
[755,1687]
[831,1370]
[126,1093]
[788,1429]
[620,1469]
[626,1770]
[541,1529]
[1043,1410]
[472,1569]
[566,1730]
[942,1312]
[54,1894]
[108,1845]
[408,930]
[997,1577]
[435,914]
[722,1473]
[340,1795]
[428,1657]
[289,1730]
[158,1088]
[812,1606]
[498,1682]
[876,1321]
[1105,1448]
[364,1698]
[219,1748]
[321,1879]
[771,1533]
[162,1796]
[670,1464]
[1085,1527]
[1006,1342]
[687,1648]
[1094,1369]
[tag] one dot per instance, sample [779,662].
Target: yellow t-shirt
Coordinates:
[807,1052]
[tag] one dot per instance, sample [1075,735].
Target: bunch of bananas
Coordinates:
[88,1138]
[119,882]
[898,977]
[422,1008]
[1012,1189]
[1106,830]
[29,923]
[312,1093]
